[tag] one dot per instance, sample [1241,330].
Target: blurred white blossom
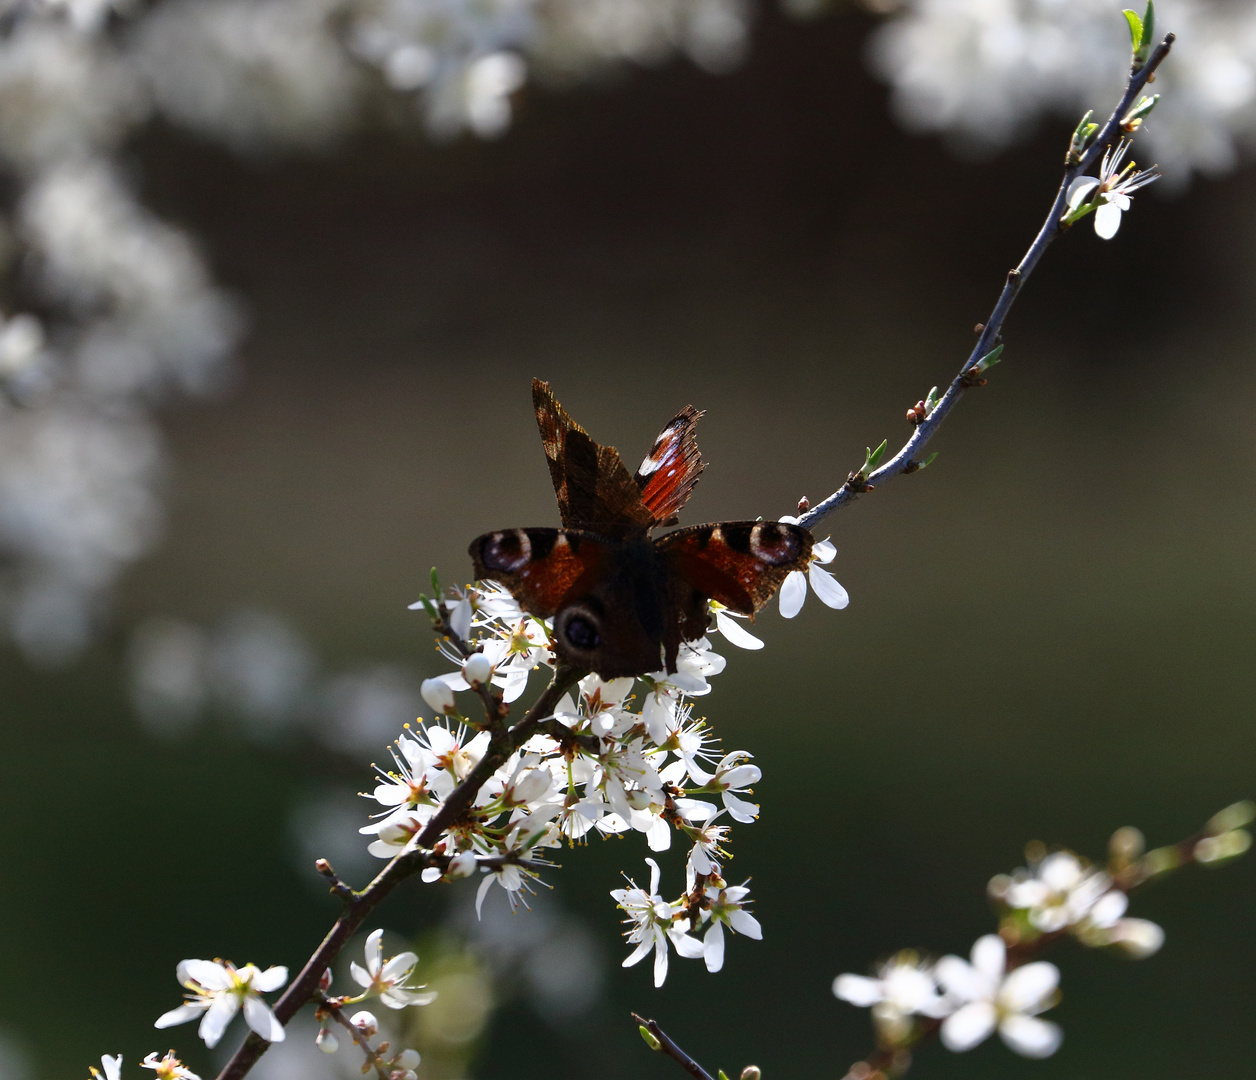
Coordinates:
[984,71]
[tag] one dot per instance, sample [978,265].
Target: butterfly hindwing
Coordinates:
[542,568]
[740,564]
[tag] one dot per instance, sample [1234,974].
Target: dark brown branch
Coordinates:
[304,987]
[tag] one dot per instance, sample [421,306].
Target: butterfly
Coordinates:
[623,601]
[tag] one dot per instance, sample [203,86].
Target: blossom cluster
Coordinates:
[1000,988]
[617,756]
[119,312]
[984,71]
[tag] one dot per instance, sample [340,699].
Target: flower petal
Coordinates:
[270,979]
[827,588]
[216,1018]
[989,958]
[1031,1037]
[793,593]
[857,989]
[1107,221]
[258,1016]
[1079,191]
[1027,988]
[713,947]
[735,633]
[968,1025]
[660,959]
[745,923]
[187,1011]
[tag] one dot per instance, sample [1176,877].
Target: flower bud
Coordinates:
[365,1022]
[1126,845]
[751,1072]
[461,865]
[326,1041]
[407,1059]
[437,694]
[1235,816]
[1228,845]
[477,670]
[1137,938]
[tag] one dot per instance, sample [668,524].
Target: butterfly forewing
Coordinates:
[594,488]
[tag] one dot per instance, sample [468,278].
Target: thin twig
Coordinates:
[374,1057]
[907,459]
[666,1046]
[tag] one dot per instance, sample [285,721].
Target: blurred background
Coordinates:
[276,277]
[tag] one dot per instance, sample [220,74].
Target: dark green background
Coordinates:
[1050,632]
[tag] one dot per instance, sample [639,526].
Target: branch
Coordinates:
[894,1060]
[358,906]
[663,1043]
[907,460]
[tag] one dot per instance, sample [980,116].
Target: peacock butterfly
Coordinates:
[623,602]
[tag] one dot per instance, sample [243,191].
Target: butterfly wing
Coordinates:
[740,564]
[540,567]
[671,469]
[603,593]
[594,488]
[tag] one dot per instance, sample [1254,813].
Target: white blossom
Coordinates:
[904,986]
[652,922]
[823,584]
[1060,893]
[387,979]
[1111,191]
[993,998]
[218,990]
[111,1065]
[168,1067]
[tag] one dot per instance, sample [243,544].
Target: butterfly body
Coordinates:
[623,601]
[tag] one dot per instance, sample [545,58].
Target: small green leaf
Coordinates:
[722,1075]
[1136,29]
[1149,29]
[990,359]
[873,457]
[1139,112]
[435,583]
[649,1038]
[932,399]
[927,461]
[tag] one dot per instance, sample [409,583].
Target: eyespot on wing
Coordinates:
[775,543]
[508,551]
